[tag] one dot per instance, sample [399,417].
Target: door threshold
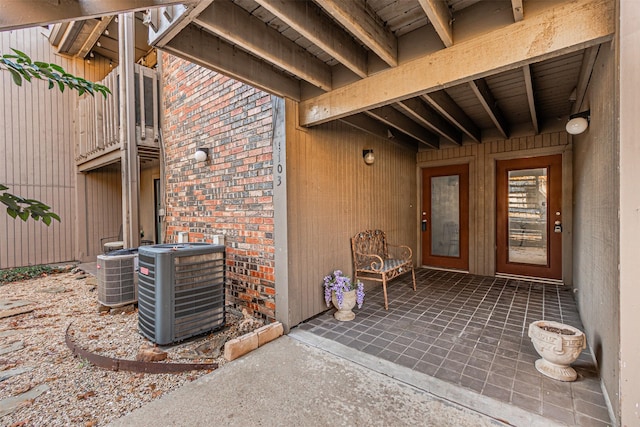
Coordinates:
[531,278]
[453,270]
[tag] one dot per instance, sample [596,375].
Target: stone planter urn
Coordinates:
[344,312]
[559,345]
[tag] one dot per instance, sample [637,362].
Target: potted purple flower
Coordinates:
[344,294]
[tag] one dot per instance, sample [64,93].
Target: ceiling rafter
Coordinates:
[404,124]
[314,25]
[472,59]
[518,10]
[531,99]
[429,118]
[205,49]
[376,128]
[482,91]
[97,31]
[447,107]
[16,14]
[438,13]
[355,17]
[235,25]
[588,61]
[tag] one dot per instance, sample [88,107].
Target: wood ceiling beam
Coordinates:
[205,49]
[482,91]
[16,14]
[69,37]
[312,23]
[447,107]
[531,99]
[235,25]
[518,10]
[394,118]
[588,60]
[428,117]
[438,13]
[97,31]
[374,127]
[355,17]
[556,31]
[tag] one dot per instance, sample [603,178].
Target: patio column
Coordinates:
[128,147]
[629,91]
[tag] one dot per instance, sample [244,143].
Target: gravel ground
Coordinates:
[79,393]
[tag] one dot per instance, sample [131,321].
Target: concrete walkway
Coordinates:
[289,383]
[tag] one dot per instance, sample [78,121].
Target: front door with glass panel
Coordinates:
[445,217]
[529,217]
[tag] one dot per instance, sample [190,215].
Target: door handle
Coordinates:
[557,227]
[423,224]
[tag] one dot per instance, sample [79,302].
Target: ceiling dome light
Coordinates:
[578,123]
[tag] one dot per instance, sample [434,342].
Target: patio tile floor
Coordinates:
[471,331]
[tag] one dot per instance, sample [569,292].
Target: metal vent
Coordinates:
[181,291]
[117,278]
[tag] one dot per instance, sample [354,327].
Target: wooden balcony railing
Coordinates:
[99,120]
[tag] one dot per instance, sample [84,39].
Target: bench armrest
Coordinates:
[404,251]
[377,263]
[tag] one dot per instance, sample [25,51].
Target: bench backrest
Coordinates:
[368,242]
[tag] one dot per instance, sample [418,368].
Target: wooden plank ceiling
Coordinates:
[428,73]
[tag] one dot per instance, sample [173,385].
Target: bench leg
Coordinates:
[413,273]
[384,290]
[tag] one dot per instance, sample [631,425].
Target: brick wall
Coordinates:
[231,193]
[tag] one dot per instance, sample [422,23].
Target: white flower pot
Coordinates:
[559,345]
[344,312]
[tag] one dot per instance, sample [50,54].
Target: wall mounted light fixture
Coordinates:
[202,154]
[578,122]
[368,156]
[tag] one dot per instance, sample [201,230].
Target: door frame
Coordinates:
[566,150]
[465,226]
[553,270]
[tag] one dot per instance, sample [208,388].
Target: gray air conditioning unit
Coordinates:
[181,290]
[117,277]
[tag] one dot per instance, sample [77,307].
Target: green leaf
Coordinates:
[2,187]
[17,79]
[21,54]
[24,215]
[54,216]
[46,220]
[12,213]
[57,68]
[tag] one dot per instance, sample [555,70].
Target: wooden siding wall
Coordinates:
[597,226]
[333,194]
[37,140]
[36,157]
[482,217]
[102,193]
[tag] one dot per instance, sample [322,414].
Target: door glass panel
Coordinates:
[528,216]
[445,216]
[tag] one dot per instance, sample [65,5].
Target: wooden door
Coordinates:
[529,217]
[445,217]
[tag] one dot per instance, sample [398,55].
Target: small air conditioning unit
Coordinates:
[181,290]
[117,278]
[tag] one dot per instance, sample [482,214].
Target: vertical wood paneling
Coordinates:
[33,158]
[36,154]
[597,229]
[333,194]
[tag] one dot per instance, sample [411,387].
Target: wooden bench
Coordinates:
[372,261]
